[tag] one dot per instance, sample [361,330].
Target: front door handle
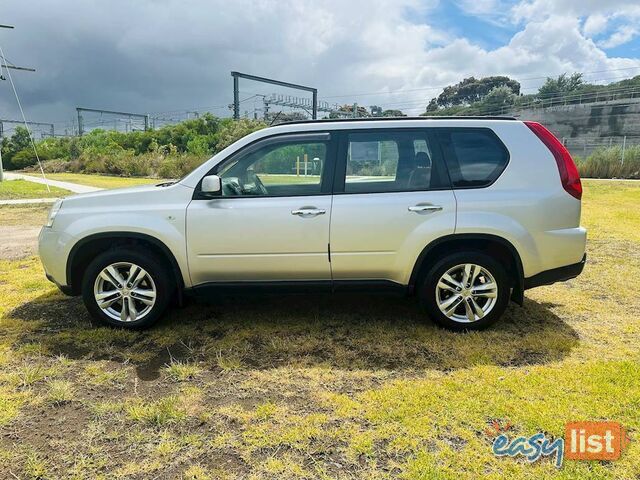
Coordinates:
[308,212]
[425,208]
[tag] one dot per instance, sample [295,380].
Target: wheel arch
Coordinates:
[496,246]
[88,246]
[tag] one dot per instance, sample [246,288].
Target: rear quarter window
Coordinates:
[475,157]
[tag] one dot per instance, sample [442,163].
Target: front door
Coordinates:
[271,222]
[392,198]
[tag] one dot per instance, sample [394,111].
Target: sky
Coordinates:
[166,57]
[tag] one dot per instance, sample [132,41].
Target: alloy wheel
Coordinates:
[466,293]
[125,291]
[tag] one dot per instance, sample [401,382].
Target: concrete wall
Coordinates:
[583,128]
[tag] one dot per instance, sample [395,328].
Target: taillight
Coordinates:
[568,171]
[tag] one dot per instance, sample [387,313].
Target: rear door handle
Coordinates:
[308,212]
[425,208]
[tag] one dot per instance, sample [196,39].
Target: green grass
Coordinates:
[324,387]
[16,189]
[102,181]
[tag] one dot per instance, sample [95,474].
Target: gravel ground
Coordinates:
[18,242]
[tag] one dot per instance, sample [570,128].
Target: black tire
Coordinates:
[427,290]
[154,266]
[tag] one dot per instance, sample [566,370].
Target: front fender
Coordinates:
[164,229]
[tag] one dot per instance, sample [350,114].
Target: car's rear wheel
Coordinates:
[465,291]
[126,288]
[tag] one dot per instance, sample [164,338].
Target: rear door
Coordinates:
[392,197]
[271,222]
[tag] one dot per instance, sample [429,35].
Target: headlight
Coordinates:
[54,211]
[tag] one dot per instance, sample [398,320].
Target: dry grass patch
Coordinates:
[102,181]
[23,215]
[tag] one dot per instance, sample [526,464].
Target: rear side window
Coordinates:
[475,157]
[387,160]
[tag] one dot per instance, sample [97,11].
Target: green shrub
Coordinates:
[232,130]
[177,166]
[129,165]
[24,158]
[607,163]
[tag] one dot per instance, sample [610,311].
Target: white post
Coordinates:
[624,144]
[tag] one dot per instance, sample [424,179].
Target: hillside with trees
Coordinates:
[499,95]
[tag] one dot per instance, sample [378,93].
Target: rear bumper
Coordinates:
[555,275]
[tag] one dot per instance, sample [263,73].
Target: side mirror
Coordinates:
[211,185]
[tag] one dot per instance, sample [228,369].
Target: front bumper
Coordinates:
[554,275]
[53,249]
[66,289]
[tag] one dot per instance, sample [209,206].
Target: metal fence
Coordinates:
[584,146]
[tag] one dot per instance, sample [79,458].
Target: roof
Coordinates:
[386,119]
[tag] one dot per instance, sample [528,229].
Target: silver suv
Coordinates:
[465,213]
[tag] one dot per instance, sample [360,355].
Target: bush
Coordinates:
[232,130]
[24,158]
[60,165]
[170,151]
[178,166]
[607,163]
[129,165]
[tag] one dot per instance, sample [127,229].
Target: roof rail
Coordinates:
[383,119]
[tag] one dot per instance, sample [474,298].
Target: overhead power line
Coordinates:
[360,94]
[24,119]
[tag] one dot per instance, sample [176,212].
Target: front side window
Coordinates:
[391,161]
[475,156]
[287,168]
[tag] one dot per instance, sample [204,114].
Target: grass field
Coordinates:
[16,189]
[102,181]
[288,179]
[319,387]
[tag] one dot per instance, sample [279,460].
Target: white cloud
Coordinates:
[595,24]
[621,36]
[539,9]
[543,48]
[598,15]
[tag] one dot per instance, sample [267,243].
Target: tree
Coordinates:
[471,90]
[10,147]
[348,109]
[498,99]
[562,85]
[392,113]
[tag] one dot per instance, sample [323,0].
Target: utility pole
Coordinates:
[8,66]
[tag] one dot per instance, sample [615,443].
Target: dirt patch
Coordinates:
[18,242]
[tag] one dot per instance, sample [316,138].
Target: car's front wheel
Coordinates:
[465,291]
[127,288]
